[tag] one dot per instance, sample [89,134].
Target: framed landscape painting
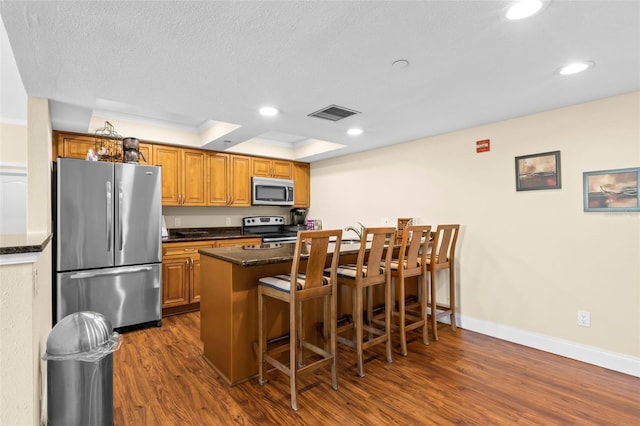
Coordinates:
[538,171]
[611,190]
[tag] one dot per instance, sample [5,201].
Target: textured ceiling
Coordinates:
[189,63]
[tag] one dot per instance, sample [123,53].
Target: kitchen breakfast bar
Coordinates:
[229,304]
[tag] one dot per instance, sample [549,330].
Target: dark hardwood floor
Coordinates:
[161,378]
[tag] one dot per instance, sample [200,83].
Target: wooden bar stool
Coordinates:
[303,284]
[361,277]
[442,257]
[411,262]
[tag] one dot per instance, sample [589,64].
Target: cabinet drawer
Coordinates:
[181,249]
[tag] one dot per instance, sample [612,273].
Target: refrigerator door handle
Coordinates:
[120,205]
[119,271]
[109,216]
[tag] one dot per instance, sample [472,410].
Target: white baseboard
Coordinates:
[610,360]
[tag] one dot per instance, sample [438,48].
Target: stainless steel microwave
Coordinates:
[271,192]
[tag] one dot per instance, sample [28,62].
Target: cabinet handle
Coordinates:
[190,250]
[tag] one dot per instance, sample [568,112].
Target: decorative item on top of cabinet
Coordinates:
[108,144]
[229,180]
[301,185]
[184,175]
[181,272]
[76,145]
[266,167]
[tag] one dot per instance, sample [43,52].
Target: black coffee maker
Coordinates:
[298,217]
[131,150]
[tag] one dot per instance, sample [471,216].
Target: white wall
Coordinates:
[25,305]
[528,260]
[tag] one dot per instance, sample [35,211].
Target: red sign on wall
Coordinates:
[483,146]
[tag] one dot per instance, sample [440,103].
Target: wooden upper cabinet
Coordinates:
[219,167]
[146,149]
[195,177]
[168,158]
[302,185]
[194,182]
[229,180]
[266,167]
[73,146]
[184,175]
[241,180]
[76,146]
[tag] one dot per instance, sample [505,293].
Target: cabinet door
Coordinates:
[146,149]
[194,181]
[271,168]
[175,281]
[219,177]
[169,158]
[261,167]
[194,290]
[74,146]
[281,169]
[240,181]
[301,182]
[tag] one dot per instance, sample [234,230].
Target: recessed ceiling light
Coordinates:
[400,63]
[575,67]
[268,111]
[354,131]
[523,9]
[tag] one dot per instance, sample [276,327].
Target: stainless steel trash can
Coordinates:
[80,370]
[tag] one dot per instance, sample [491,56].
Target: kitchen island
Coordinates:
[229,304]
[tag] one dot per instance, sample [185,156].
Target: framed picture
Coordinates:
[538,171]
[611,190]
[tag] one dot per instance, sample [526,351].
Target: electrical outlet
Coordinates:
[584,318]
[177,222]
[384,220]
[228,221]
[416,221]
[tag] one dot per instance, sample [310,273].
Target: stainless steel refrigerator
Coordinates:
[108,220]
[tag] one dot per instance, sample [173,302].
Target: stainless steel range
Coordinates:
[272,229]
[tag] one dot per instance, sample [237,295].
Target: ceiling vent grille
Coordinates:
[334,113]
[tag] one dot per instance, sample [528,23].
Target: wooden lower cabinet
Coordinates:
[181,273]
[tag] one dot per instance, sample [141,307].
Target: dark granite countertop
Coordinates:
[204,234]
[264,254]
[23,243]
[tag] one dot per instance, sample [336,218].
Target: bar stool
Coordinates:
[361,277]
[442,257]
[303,284]
[411,262]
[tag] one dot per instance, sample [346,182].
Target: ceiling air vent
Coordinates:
[334,113]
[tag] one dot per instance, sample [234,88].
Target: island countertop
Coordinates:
[269,253]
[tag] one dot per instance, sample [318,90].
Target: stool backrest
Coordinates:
[444,245]
[415,240]
[316,244]
[370,262]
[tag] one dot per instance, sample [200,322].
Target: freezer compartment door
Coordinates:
[84,214]
[126,295]
[138,214]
